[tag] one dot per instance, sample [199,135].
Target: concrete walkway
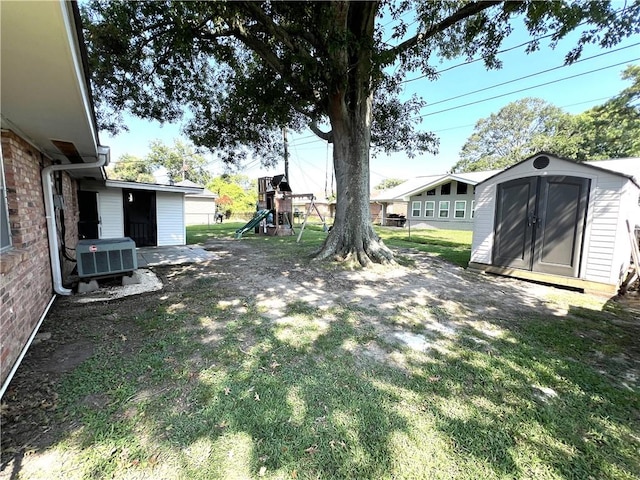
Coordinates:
[176,255]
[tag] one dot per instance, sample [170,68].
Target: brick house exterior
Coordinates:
[25,270]
[49,142]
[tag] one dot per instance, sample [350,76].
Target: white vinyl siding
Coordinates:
[460,208]
[415,209]
[170,218]
[429,209]
[605,220]
[111,213]
[443,209]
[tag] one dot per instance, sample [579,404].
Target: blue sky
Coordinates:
[309,156]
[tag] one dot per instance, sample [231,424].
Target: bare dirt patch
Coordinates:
[250,274]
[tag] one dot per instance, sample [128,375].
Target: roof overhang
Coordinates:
[153,186]
[45,92]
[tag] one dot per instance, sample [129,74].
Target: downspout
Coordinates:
[47,185]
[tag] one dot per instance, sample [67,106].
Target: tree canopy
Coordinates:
[530,125]
[131,169]
[611,130]
[388,183]
[180,162]
[241,71]
[236,193]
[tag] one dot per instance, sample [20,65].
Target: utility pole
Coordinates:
[286,153]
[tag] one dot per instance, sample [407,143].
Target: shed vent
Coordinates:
[109,256]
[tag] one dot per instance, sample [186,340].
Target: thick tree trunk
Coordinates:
[352,237]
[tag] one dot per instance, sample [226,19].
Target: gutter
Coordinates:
[47,185]
[18,361]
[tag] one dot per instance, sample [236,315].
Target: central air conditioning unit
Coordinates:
[105,257]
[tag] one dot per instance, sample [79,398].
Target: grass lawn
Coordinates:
[209,381]
[452,245]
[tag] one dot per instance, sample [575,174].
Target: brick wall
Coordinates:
[25,272]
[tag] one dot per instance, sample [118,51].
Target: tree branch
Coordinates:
[465,12]
[328,136]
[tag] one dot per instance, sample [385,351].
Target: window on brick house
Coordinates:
[5,230]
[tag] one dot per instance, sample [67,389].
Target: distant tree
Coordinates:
[181,161]
[236,193]
[612,130]
[530,125]
[131,169]
[388,183]
[518,130]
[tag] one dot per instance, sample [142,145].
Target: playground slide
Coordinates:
[259,216]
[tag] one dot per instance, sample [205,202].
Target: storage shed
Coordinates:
[150,214]
[557,221]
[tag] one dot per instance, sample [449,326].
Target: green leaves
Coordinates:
[530,125]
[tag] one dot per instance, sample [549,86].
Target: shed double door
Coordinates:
[540,224]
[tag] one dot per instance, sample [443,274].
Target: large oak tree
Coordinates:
[243,70]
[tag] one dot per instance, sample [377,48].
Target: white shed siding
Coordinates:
[170,218]
[111,213]
[482,243]
[603,222]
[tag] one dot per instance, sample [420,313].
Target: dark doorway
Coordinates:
[140,217]
[540,224]
[89,219]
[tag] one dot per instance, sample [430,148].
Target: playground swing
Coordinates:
[310,206]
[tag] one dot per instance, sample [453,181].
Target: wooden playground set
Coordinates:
[274,215]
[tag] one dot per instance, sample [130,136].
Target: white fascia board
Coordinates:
[76,56]
[152,186]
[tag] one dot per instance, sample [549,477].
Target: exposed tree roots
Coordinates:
[371,250]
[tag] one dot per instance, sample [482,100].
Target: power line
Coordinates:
[469,62]
[527,76]
[527,88]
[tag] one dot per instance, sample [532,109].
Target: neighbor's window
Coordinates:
[460,208]
[429,209]
[5,231]
[415,209]
[431,192]
[473,208]
[443,209]
[461,189]
[445,189]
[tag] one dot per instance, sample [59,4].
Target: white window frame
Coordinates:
[433,209]
[414,209]
[4,207]
[463,209]
[473,208]
[440,209]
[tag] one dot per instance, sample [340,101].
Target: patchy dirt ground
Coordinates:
[248,271]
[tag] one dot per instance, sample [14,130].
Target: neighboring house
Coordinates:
[557,221]
[301,203]
[435,201]
[199,208]
[49,143]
